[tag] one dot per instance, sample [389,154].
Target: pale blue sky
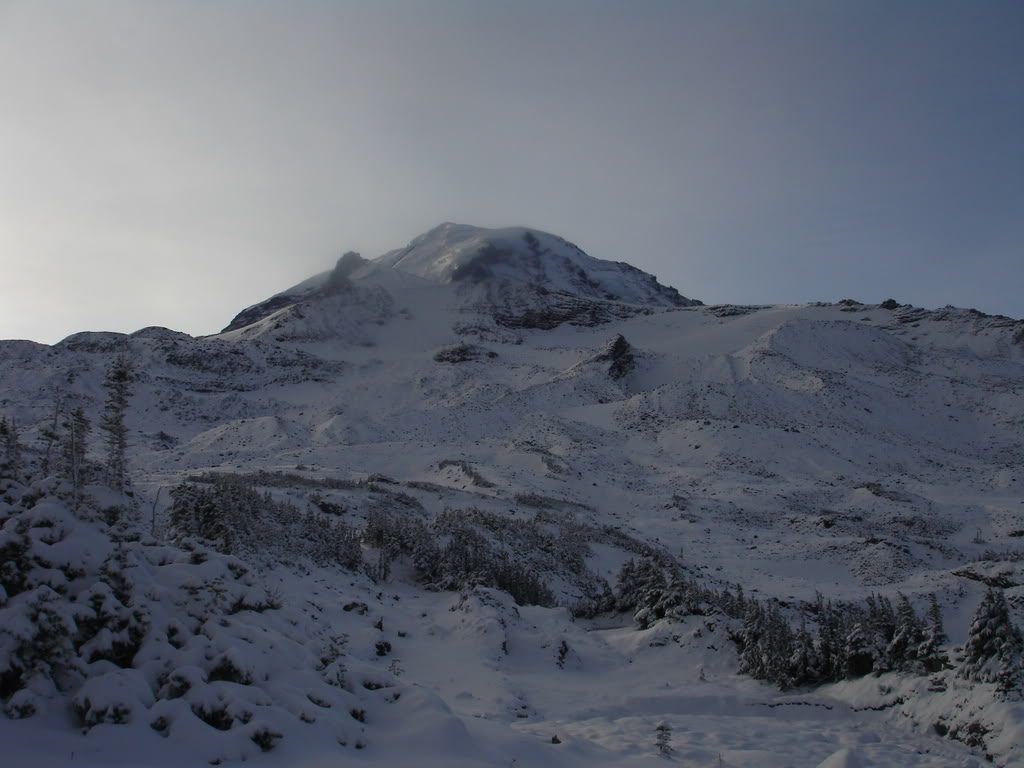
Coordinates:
[167,163]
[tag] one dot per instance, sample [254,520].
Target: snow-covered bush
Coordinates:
[122,629]
[231,515]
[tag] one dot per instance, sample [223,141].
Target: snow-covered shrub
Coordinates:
[232,667]
[464,556]
[115,697]
[332,668]
[36,632]
[121,629]
[22,704]
[264,737]
[230,514]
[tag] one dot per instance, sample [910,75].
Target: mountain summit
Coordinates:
[458,253]
[518,277]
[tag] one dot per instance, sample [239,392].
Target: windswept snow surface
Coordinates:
[844,449]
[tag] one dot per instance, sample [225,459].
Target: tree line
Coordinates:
[832,640]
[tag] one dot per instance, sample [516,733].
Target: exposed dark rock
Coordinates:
[731,310]
[1004,579]
[554,309]
[338,281]
[462,353]
[908,314]
[259,311]
[619,354]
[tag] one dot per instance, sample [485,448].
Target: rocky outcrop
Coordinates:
[618,353]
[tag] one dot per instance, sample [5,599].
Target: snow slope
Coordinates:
[845,449]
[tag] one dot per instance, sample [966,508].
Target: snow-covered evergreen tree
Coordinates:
[994,651]
[933,636]
[829,641]
[777,647]
[880,627]
[10,449]
[118,386]
[803,661]
[859,649]
[749,639]
[73,449]
[640,588]
[902,650]
[51,431]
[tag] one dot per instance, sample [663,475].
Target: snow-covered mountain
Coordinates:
[503,392]
[454,253]
[518,277]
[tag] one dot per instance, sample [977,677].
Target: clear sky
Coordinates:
[168,163]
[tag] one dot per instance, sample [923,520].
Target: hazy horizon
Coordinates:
[170,164]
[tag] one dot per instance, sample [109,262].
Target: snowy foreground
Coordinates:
[332,503]
[468,680]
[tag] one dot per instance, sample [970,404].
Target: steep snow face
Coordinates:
[457,253]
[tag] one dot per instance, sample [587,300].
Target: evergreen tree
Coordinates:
[993,653]
[726,602]
[932,638]
[182,516]
[204,513]
[73,444]
[118,386]
[831,641]
[858,648]
[740,601]
[777,647]
[881,627]
[642,588]
[625,587]
[749,640]
[10,450]
[901,652]
[803,662]
[345,546]
[51,433]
